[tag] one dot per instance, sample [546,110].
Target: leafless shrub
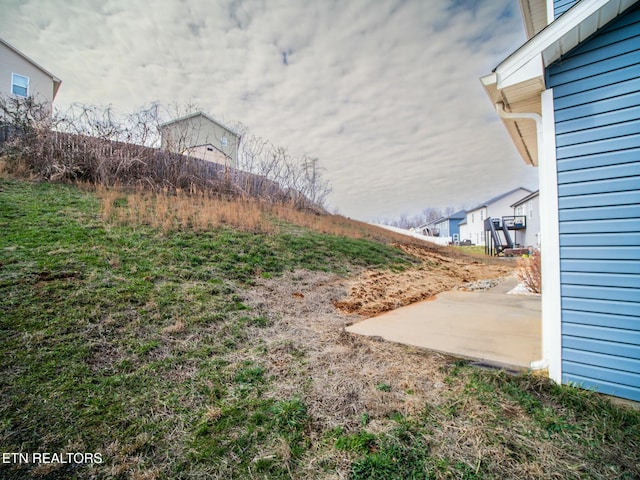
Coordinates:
[301,177]
[530,272]
[102,147]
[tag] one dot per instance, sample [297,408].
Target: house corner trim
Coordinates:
[549,230]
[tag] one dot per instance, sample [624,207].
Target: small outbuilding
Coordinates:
[202,136]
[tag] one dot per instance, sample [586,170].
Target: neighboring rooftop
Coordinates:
[495,199]
[455,216]
[526,199]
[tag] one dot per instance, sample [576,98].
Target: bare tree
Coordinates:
[428,215]
[100,145]
[302,177]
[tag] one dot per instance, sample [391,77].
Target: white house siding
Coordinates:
[475,225]
[210,154]
[498,208]
[41,85]
[596,91]
[464,231]
[530,236]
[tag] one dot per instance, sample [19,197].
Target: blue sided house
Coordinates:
[570,100]
[450,226]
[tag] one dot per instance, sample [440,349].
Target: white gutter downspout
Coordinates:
[544,362]
[524,116]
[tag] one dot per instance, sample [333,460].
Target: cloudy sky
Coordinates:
[384,92]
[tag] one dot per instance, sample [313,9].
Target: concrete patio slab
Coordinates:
[490,326]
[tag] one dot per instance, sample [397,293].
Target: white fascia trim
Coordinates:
[523,116]
[550,242]
[489,79]
[554,32]
[534,68]
[550,12]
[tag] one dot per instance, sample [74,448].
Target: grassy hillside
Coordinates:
[184,351]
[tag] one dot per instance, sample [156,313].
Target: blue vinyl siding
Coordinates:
[597,118]
[454,226]
[561,6]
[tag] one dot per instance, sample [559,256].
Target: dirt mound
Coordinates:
[374,291]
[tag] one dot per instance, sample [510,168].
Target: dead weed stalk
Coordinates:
[529,272]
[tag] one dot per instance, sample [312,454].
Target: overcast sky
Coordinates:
[384,92]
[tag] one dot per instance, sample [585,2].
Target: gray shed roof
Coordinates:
[201,114]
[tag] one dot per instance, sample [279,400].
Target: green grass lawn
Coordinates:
[89,363]
[137,345]
[472,249]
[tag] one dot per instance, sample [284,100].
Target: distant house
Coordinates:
[200,135]
[472,228]
[21,77]
[450,226]
[570,100]
[463,226]
[528,207]
[428,229]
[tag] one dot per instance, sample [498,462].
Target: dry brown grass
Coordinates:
[466,416]
[15,170]
[167,211]
[307,349]
[307,341]
[372,292]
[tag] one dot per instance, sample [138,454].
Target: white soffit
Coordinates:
[534,16]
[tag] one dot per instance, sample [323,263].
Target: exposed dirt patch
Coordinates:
[374,291]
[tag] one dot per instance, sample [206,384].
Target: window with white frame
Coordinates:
[19,85]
